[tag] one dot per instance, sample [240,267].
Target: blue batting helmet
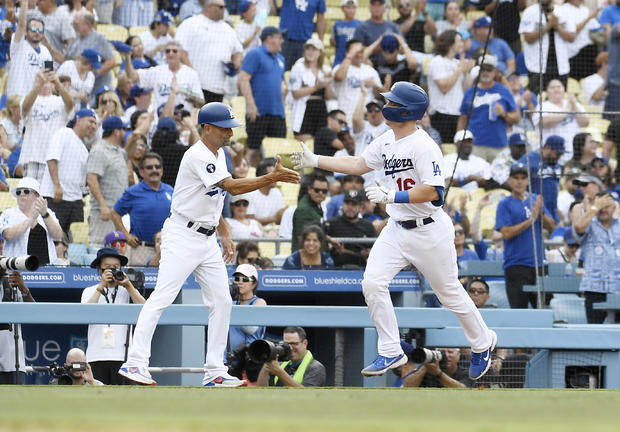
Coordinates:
[218,114]
[413,99]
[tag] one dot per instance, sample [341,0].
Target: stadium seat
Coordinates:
[76,252]
[13,182]
[573,86]
[497,294]
[447,148]
[290,193]
[267,249]
[473,15]
[113,32]
[599,123]
[88,258]
[279,146]
[425,63]
[569,308]
[251,172]
[7,201]
[137,30]
[79,232]
[273,20]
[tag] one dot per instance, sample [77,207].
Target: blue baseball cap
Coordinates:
[271,30]
[518,168]
[163,17]
[517,139]
[166,124]
[177,109]
[84,112]
[568,237]
[113,123]
[464,34]
[136,91]
[102,89]
[483,21]
[93,56]
[244,6]
[556,143]
[389,43]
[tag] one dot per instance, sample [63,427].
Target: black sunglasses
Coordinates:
[374,109]
[222,7]
[18,192]
[243,279]
[171,51]
[487,68]
[242,203]
[152,167]
[319,190]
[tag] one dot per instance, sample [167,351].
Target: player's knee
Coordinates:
[370,288]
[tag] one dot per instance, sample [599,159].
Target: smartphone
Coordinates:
[48,65]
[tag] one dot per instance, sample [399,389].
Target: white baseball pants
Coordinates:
[430,248]
[184,251]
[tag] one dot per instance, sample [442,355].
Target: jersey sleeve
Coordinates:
[321,7]
[430,165]
[295,80]
[123,205]
[210,173]
[372,156]
[529,21]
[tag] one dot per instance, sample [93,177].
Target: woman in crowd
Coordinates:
[563,116]
[584,149]
[241,226]
[599,167]
[10,132]
[453,19]
[166,143]
[310,256]
[138,59]
[136,148]
[30,228]
[309,89]
[62,247]
[448,78]
[248,253]
[241,169]
[80,70]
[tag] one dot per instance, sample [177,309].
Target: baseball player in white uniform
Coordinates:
[189,246]
[409,165]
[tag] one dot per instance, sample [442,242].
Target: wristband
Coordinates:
[46,215]
[439,375]
[401,197]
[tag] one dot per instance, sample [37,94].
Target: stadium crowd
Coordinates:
[100,100]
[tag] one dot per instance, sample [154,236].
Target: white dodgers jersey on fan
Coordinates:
[195,195]
[413,160]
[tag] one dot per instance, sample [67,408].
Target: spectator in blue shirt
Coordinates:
[550,172]
[260,82]
[514,219]
[610,16]
[343,30]
[310,256]
[498,47]
[598,232]
[494,109]
[297,24]
[148,205]
[348,182]
[372,29]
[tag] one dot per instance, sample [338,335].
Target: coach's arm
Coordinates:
[243,185]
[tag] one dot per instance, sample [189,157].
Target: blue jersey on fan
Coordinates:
[518,250]
[488,129]
[342,32]
[550,181]
[298,17]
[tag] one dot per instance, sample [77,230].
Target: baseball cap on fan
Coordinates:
[247,270]
[270,31]
[348,3]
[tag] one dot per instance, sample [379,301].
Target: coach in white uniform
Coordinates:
[189,246]
[409,163]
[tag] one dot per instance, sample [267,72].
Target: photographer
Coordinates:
[302,370]
[7,331]
[108,344]
[76,357]
[449,374]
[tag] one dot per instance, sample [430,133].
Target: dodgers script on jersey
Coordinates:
[415,159]
[195,195]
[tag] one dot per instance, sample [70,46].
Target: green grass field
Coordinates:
[136,409]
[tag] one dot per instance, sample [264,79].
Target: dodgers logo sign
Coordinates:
[210,168]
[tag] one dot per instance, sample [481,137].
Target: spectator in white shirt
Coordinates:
[43,113]
[58,30]
[156,38]
[80,70]
[242,226]
[28,55]
[247,29]
[471,171]
[267,203]
[594,85]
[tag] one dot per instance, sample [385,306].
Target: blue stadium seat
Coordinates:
[88,258]
[76,252]
[569,308]
[497,294]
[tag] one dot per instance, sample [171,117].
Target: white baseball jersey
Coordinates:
[415,159]
[195,195]
[159,78]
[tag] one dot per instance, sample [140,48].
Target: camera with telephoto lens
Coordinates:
[119,275]
[262,351]
[238,361]
[26,262]
[425,355]
[234,291]
[63,373]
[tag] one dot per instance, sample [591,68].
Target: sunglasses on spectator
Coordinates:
[118,243]
[599,164]
[35,30]
[252,260]
[241,203]
[221,7]
[573,246]
[459,232]
[18,192]
[477,291]
[170,50]
[374,109]
[152,167]
[487,68]
[319,190]
[105,101]
[243,279]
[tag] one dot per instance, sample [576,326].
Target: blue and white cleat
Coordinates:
[383,364]
[225,380]
[481,362]
[137,374]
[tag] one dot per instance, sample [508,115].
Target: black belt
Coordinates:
[201,230]
[411,224]
[147,244]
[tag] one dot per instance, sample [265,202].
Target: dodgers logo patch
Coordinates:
[210,168]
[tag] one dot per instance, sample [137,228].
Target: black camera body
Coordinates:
[239,361]
[262,350]
[63,373]
[119,275]
[424,355]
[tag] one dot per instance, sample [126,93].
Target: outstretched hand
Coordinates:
[284,174]
[380,194]
[304,158]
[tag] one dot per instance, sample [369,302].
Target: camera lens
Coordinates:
[118,275]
